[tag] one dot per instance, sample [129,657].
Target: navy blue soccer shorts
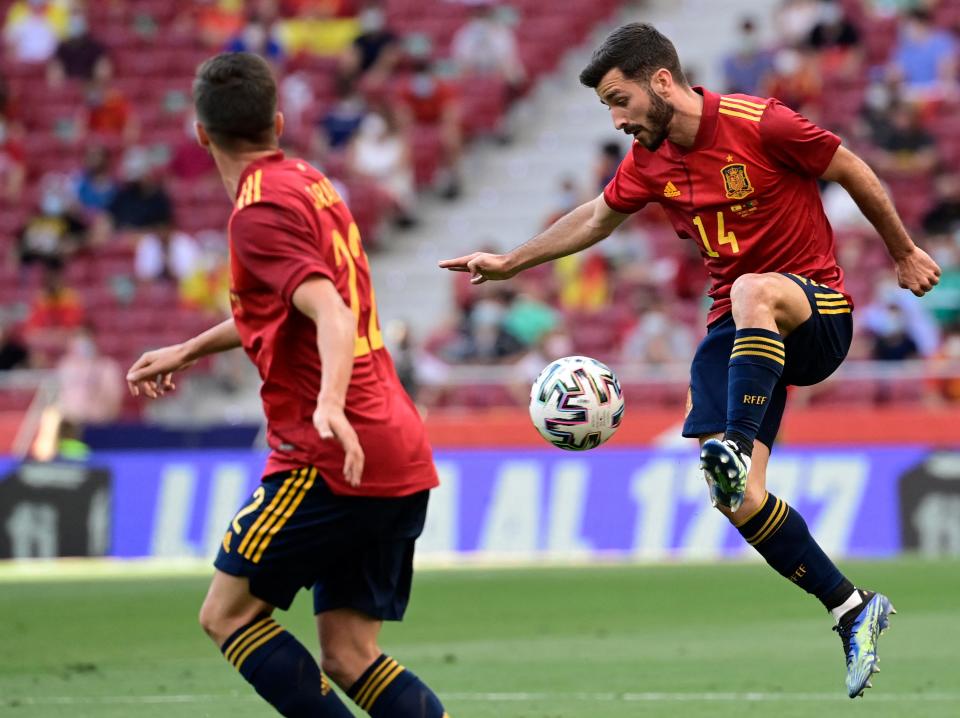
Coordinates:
[814,351]
[353,551]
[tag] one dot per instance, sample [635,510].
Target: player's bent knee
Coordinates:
[220,624]
[753,289]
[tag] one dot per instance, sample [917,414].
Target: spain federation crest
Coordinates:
[735,181]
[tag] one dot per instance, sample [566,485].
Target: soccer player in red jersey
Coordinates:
[737,175]
[344,492]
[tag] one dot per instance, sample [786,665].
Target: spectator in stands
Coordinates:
[91,385]
[945,306]
[165,255]
[946,387]
[795,19]
[891,338]
[55,312]
[258,35]
[376,51]
[427,99]
[54,232]
[141,203]
[745,70]
[107,113]
[529,317]
[903,145]
[944,216]
[342,120]
[13,169]
[606,164]
[14,353]
[381,152]
[796,79]
[658,338]
[483,339]
[80,56]
[925,58]
[486,44]
[95,186]
[31,30]
[837,41]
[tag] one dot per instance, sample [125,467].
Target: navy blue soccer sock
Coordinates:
[756,365]
[781,536]
[282,671]
[388,690]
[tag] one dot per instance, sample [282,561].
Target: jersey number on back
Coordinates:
[349,251]
[723,237]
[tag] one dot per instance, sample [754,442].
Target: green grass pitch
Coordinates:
[678,641]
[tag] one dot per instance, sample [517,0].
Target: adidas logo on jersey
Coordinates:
[670,190]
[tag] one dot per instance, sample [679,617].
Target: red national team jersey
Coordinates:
[745,192]
[290,224]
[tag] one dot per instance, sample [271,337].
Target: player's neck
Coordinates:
[232,166]
[687,111]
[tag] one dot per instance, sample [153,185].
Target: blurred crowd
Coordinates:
[110,210]
[112,217]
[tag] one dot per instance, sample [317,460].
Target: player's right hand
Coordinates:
[332,423]
[481,265]
[152,373]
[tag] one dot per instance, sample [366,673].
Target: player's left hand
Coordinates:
[332,423]
[917,272]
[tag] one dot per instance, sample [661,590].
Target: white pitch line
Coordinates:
[519,697]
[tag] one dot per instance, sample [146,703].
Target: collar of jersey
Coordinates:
[277,156]
[707,131]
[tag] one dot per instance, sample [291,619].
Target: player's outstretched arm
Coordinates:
[916,271]
[152,374]
[319,300]
[575,231]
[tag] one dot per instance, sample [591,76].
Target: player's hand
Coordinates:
[918,272]
[152,373]
[331,423]
[481,265]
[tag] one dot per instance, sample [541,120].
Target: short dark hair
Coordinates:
[638,50]
[235,97]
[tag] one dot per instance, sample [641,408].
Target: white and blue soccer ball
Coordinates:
[576,403]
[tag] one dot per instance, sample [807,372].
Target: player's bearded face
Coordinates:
[653,130]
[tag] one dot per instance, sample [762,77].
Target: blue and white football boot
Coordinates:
[860,629]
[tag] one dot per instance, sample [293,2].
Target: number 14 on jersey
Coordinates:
[723,237]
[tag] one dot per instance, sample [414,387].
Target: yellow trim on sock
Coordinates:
[766,495]
[273,633]
[375,676]
[384,682]
[253,628]
[766,524]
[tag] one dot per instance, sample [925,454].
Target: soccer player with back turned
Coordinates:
[344,495]
[737,175]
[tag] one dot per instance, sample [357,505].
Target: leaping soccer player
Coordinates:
[737,175]
[344,494]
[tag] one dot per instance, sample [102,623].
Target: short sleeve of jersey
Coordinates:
[273,243]
[795,142]
[626,192]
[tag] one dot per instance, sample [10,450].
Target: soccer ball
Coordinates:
[576,403]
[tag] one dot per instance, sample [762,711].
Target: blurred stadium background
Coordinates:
[451,126]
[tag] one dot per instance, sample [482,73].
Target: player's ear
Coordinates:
[661,81]
[278,124]
[202,136]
